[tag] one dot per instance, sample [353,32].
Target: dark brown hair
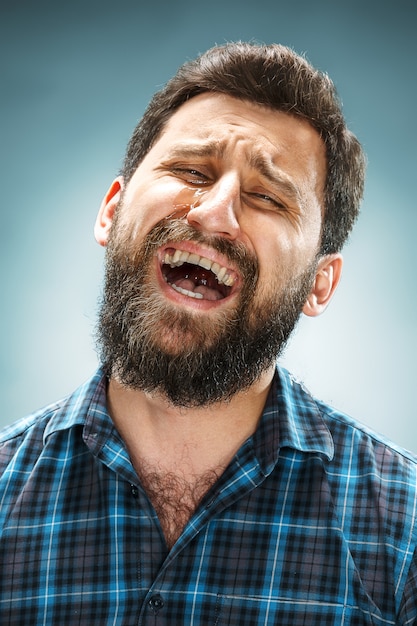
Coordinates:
[276,77]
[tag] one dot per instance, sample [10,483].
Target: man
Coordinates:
[191,480]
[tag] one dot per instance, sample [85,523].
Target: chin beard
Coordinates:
[192,360]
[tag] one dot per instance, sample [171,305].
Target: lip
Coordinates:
[202,251]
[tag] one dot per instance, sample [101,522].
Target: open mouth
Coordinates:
[196,276]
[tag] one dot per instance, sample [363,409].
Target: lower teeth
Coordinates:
[185,292]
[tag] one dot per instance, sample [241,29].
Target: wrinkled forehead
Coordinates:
[220,127]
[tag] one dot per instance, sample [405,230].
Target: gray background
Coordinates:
[76,77]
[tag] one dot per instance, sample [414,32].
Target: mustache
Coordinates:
[176,229]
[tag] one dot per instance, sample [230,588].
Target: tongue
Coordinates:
[196,280]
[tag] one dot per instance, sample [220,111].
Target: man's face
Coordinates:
[212,251]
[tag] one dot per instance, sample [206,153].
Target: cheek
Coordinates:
[283,251]
[275,253]
[279,265]
[140,213]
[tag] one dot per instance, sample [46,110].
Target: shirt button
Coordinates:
[134,491]
[156,603]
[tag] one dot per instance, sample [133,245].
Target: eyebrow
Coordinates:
[267,169]
[257,161]
[211,148]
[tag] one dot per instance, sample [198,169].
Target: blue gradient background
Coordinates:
[75,79]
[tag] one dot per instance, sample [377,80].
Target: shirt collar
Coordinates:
[291,419]
[82,408]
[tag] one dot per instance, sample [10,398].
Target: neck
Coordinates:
[190,441]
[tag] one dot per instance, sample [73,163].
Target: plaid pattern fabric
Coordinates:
[312,523]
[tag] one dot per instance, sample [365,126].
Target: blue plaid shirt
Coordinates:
[312,523]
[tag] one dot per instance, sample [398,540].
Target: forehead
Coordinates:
[211,115]
[213,124]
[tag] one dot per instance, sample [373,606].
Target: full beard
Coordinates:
[192,359]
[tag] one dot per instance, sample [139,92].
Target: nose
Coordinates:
[216,210]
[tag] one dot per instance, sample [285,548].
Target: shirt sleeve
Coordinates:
[408,608]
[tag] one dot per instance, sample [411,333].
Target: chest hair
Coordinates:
[175,497]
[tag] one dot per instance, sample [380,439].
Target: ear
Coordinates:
[106,213]
[328,275]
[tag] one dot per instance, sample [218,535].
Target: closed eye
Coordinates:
[191,175]
[266,200]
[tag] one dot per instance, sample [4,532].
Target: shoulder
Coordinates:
[26,438]
[364,469]
[27,429]
[349,434]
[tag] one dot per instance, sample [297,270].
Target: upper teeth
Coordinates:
[179,257]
